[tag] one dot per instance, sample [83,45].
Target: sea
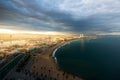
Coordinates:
[91,59]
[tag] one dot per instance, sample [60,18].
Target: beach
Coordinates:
[45,65]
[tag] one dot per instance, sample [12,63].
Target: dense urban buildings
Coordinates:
[23,52]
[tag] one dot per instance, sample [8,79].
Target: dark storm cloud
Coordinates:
[63,16]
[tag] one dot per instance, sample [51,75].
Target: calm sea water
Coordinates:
[97,59]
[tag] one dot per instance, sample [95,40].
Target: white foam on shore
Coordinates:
[53,55]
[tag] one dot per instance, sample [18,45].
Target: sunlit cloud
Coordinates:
[11,31]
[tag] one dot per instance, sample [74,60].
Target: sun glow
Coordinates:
[10,31]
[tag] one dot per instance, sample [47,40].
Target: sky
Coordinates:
[68,16]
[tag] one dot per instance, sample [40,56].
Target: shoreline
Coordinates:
[54,52]
[46,64]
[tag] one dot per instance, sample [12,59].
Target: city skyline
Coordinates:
[68,16]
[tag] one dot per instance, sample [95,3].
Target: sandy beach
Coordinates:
[45,65]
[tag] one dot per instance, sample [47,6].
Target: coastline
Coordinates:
[54,52]
[49,67]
